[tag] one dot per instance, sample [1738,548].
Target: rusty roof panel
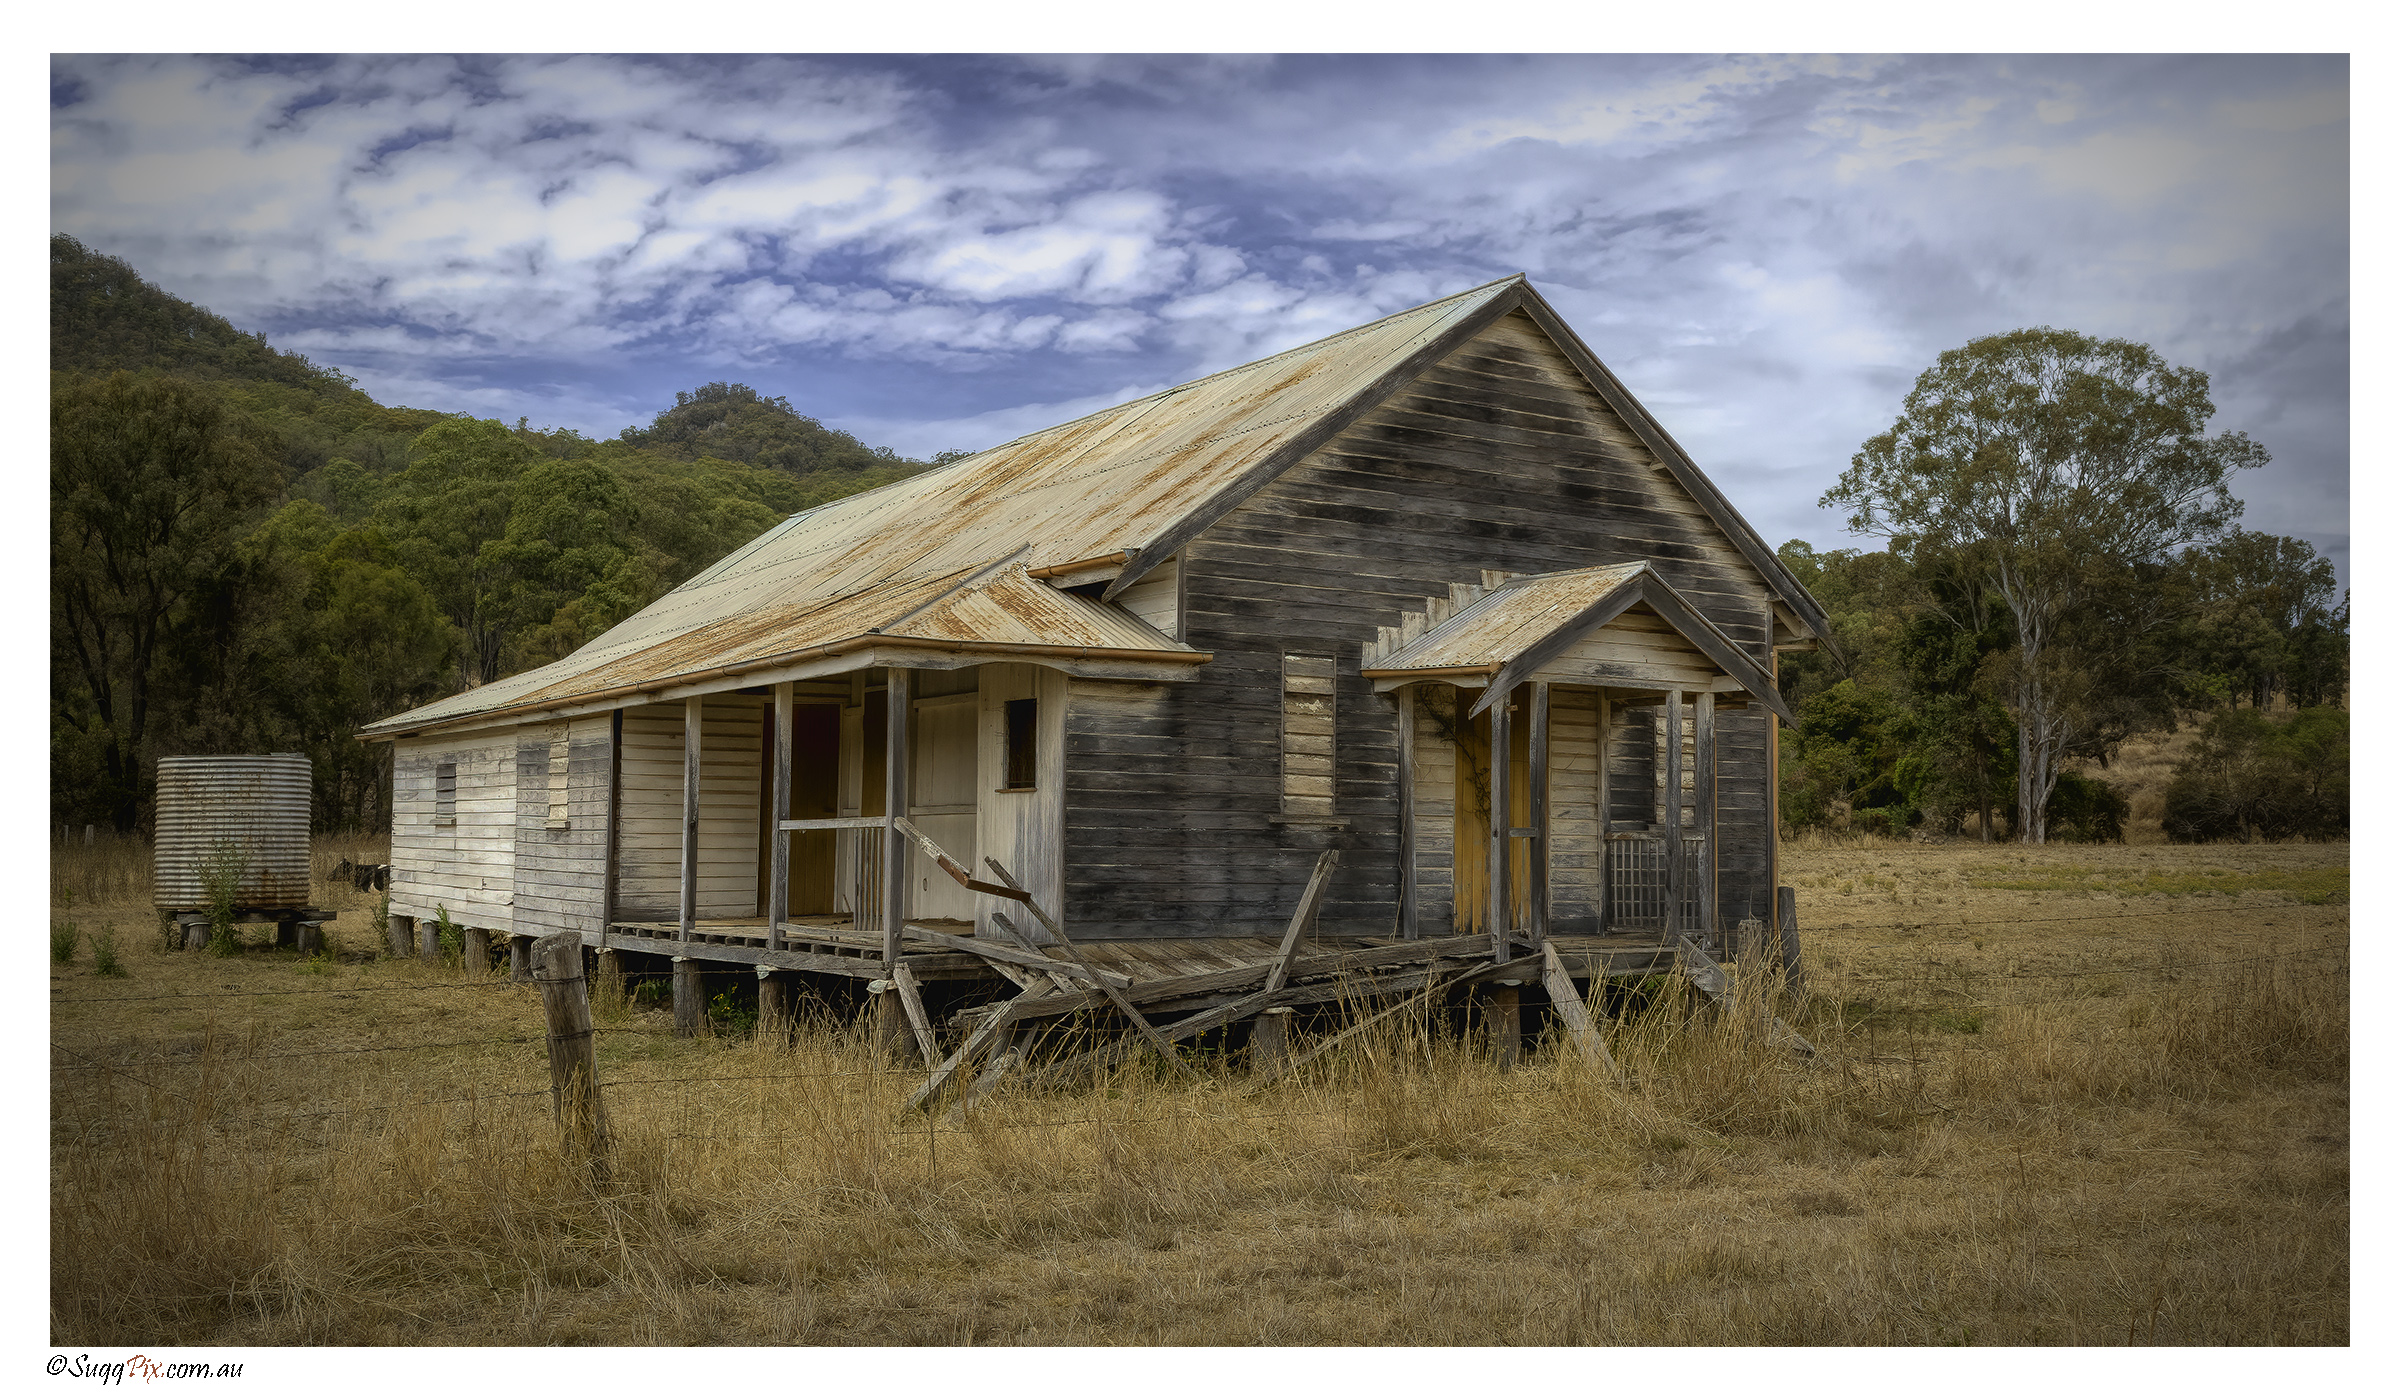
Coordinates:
[1109,481]
[1504,623]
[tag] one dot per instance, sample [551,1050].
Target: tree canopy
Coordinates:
[250,554]
[2062,472]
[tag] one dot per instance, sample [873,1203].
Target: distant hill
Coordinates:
[104,317]
[738,424]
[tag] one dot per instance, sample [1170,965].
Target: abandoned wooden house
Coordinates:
[1083,711]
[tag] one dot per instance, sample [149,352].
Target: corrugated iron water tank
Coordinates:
[242,815]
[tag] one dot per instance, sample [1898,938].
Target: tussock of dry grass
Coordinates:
[2069,1135]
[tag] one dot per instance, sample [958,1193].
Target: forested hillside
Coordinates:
[249,554]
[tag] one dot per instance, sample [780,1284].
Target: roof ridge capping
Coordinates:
[1420,309]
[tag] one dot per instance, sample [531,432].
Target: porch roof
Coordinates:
[1529,621]
[995,611]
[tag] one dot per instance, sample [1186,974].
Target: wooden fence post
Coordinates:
[520,958]
[475,950]
[574,1074]
[429,940]
[399,929]
[687,999]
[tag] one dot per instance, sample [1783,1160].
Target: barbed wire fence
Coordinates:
[1956,983]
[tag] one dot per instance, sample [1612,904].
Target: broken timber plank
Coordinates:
[1294,1062]
[1226,1013]
[1142,1023]
[989,950]
[1707,974]
[1002,1063]
[934,852]
[1572,1013]
[997,1020]
[1057,982]
[1235,979]
[1303,916]
[914,1004]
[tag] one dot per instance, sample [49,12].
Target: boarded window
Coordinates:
[1308,736]
[1018,774]
[445,794]
[558,779]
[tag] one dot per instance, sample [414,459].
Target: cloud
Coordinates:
[1767,249]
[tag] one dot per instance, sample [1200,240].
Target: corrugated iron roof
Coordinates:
[1109,481]
[1501,625]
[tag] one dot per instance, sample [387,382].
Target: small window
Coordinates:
[445,794]
[558,780]
[1018,773]
[1308,736]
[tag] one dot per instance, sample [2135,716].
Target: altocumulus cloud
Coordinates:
[945,251]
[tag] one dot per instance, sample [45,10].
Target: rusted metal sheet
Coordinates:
[1104,483]
[244,815]
[1503,623]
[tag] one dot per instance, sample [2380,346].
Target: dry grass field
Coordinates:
[2079,1096]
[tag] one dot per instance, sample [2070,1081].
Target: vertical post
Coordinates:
[429,940]
[687,999]
[520,959]
[1787,925]
[897,697]
[1270,1040]
[689,902]
[1704,808]
[774,1003]
[1500,1009]
[609,971]
[1408,812]
[1537,803]
[779,841]
[475,951]
[1671,845]
[574,1078]
[312,936]
[1496,897]
[892,1034]
[608,826]
[1600,801]
[396,928]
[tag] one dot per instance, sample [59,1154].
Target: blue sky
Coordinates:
[949,251]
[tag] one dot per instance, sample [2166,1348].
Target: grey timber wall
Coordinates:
[1499,457]
[562,826]
[464,862]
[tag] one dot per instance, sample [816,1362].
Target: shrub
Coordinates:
[2251,778]
[104,953]
[2086,809]
[64,935]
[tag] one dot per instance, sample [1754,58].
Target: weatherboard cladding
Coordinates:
[1500,457]
[1301,514]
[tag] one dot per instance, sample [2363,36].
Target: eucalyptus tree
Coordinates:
[153,484]
[2052,465]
